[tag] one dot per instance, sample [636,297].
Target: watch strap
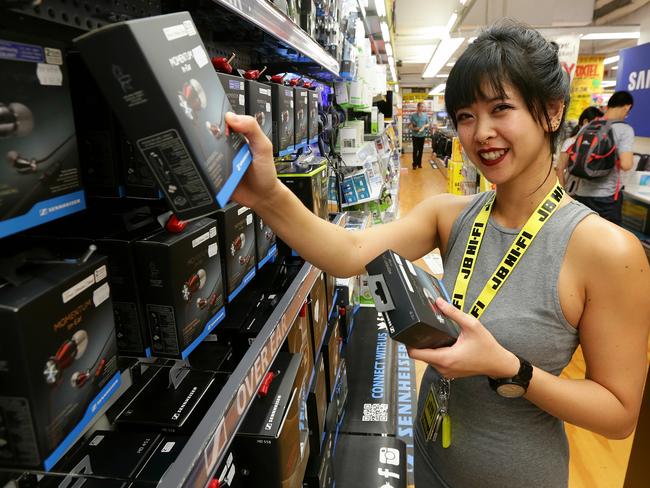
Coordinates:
[522,378]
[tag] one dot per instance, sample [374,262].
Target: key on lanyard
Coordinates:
[443,418]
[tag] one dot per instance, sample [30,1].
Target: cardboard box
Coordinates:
[283,119]
[308,182]
[320,470]
[317,401]
[108,454]
[265,242]
[331,356]
[318,313]
[301,108]
[406,296]
[258,105]
[237,240]
[57,355]
[235,91]
[40,179]
[270,446]
[313,104]
[181,285]
[164,91]
[162,406]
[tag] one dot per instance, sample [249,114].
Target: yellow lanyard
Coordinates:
[519,247]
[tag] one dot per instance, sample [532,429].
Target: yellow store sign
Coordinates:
[586,83]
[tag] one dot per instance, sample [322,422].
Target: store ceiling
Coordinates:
[420,24]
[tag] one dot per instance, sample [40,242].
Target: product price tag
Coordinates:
[49,74]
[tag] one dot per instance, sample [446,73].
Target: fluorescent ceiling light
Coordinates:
[608,84]
[389,49]
[611,60]
[385,33]
[393,74]
[610,35]
[451,64]
[463,2]
[445,50]
[438,89]
[380,8]
[614,67]
[442,75]
[451,21]
[396,87]
[471,39]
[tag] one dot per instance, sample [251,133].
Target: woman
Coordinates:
[568,182]
[506,96]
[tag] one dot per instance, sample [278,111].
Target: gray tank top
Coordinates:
[498,442]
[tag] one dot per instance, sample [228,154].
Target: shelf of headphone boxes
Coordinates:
[73,360]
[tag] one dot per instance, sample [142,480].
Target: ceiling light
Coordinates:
[393,74]
[380,8]
[452,21]
[396,88]
[389,49]
[614,67]
[608,84]
[445,50]
[471,40]
[611,60]
[385,33]
[451,64]
[594,36]
[442,75]
[438,89]
[463,2]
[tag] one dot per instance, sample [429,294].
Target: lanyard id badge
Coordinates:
[436,414]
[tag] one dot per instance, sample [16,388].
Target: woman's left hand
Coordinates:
[475,352]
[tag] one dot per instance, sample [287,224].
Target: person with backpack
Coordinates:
[601,151]
[533,274]
[569,182]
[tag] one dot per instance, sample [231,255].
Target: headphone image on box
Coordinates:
[193,284]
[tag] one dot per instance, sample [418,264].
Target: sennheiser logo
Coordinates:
[276,404]
[122,78]
[177,415]
[48,210]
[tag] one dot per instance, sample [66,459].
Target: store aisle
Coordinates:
[596,462]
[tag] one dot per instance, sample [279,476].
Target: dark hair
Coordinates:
[620,99]
[514,53]
[588,114]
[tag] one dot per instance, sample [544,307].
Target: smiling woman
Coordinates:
[546,274]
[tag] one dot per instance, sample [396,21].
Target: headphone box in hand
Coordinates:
[58,356]
[40,179]
[162,86]
[181,286]
[406,295]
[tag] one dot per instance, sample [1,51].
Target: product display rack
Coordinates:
[208,444]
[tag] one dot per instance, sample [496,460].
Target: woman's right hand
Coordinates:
[260,181]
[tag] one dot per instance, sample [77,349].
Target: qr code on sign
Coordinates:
[375,412]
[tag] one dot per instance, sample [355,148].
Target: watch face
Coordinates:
[511,390]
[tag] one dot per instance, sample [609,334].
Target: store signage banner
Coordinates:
[586,83]
[634,76]
[569,46]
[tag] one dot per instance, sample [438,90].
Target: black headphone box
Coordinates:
[170,103]
[259,104]
[237,241]
[320,470]
[299,341]
[313,103]
[331,352]
[406,295]
[308,181]
[318,313]
[317,401]
[235,91]
[271,446]
[282,105]
[336,409]
[104,454]
[181,286]
[159,461]
[139,181]
[40,176]
[301,111]
[265,242]
[58,364]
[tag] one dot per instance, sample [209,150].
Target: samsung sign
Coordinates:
[634,77]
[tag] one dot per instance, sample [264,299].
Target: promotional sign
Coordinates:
[634,76]
[569,46]
[587,81]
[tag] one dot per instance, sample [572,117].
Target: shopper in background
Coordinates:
[567,181]
[603,194]
[578,278]
[419,124]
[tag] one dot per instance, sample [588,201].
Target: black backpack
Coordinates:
[593,154]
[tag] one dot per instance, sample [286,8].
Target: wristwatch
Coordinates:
[516,386]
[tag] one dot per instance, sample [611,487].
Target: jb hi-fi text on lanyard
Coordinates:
[436,413]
